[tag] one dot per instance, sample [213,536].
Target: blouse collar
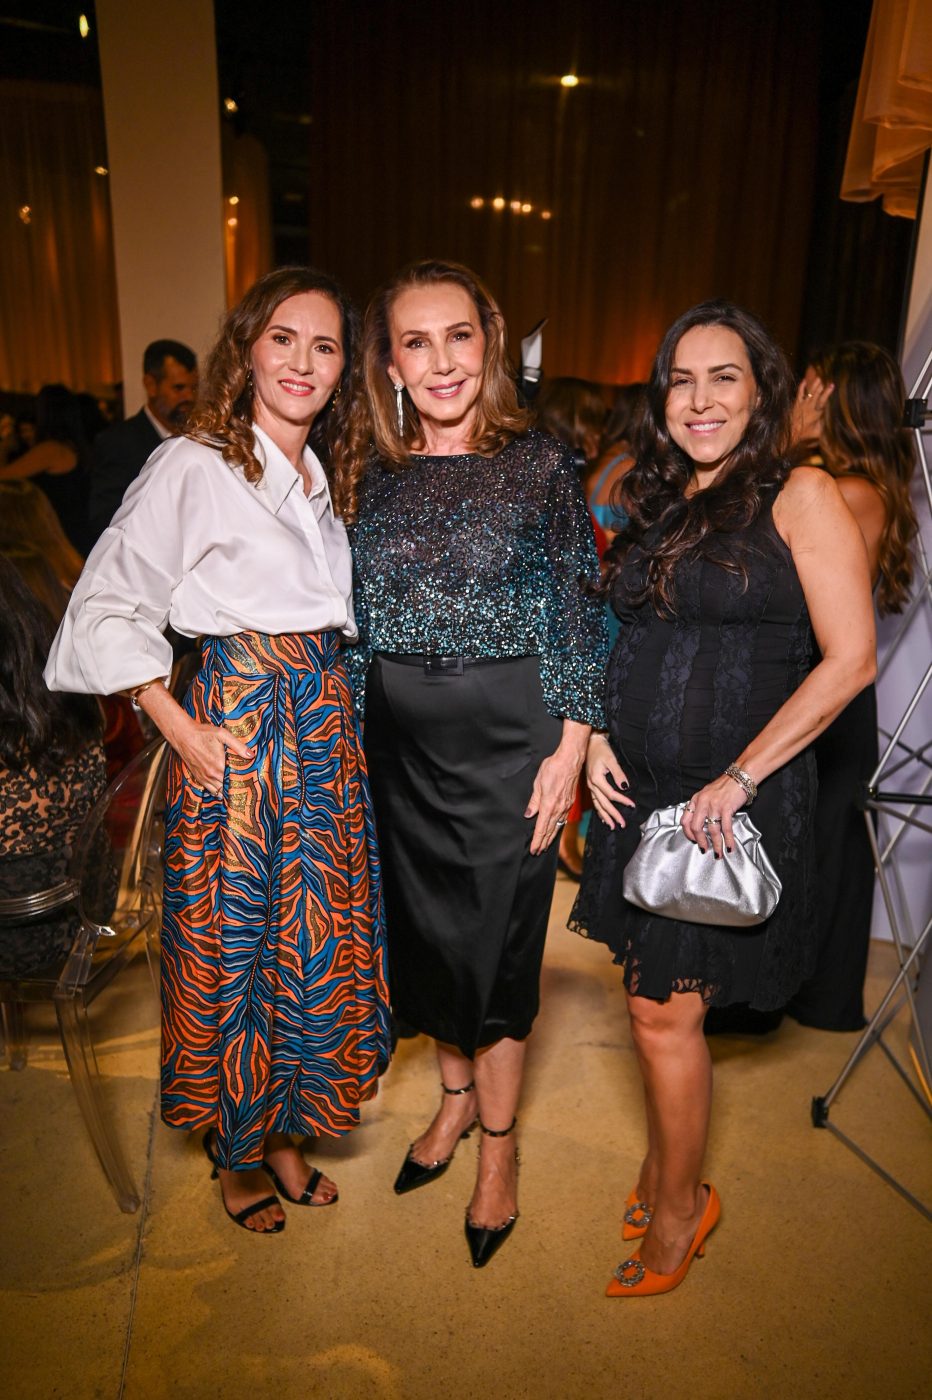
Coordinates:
[279,477]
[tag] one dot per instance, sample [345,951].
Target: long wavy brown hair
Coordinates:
[863,434]
[28,520]
[223,414]
[667,526]
[499,416]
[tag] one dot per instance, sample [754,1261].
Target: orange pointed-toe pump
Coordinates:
[632,1279]
[636,1218]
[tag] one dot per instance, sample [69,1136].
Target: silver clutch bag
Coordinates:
[669,875]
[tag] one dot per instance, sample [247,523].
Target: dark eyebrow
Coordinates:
[289,330]
[457,325]
[713,369]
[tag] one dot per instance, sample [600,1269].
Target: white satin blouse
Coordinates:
[195,545]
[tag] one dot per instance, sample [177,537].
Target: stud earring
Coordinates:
[400,408]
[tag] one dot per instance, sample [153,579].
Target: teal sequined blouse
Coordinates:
[483,556]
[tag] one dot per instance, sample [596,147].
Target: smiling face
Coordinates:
[296,364]
[438,354]
[711,397]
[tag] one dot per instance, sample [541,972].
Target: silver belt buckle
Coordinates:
[443,665]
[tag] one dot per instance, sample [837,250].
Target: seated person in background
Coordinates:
[169,376]
[59,461]
[31,536]
[27,520]
[52,770]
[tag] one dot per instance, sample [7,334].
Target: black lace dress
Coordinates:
[40,812]
[685,695]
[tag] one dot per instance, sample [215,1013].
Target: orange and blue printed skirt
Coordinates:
[274,999]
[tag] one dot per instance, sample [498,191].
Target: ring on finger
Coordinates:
[561,821]
[712,821]
[690,807]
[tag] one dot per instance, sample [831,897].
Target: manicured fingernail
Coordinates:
[625,786]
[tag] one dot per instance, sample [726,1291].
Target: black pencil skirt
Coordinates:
[452,759]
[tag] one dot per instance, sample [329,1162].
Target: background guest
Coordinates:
[726,557]
[169,376]
[615,458]
[58,463]
[574,412]
[849,411]
[52,770]
[486,673]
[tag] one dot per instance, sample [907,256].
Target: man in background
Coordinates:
[169,376]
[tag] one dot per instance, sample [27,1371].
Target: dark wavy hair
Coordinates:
[667,526]
[863,433]
[499,416]
[223,414]
[39,728]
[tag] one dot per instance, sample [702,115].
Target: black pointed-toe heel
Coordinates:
[241,1217]
[486,1240]
[413,1173]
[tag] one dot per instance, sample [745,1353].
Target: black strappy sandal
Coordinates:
[240,1217]
[305,1198]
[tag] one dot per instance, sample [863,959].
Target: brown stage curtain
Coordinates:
[58,317]
[681,166]
[247,223]
[892,127]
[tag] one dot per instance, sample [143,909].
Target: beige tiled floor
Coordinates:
[815,1284]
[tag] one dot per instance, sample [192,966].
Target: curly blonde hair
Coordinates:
[499,416]
[223,414]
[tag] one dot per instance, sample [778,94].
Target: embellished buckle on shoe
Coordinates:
[638,1214]
[443,665]
[630,1280]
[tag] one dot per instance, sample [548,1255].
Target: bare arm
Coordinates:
[866,505]
[52,457]
[831,561]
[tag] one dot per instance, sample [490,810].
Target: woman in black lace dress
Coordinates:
[728,565]
[52,770]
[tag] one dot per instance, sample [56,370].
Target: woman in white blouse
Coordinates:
[274,1004]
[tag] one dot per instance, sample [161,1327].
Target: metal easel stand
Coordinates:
[901,813]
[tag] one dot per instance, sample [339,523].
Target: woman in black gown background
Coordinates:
[726,558]
[849,416]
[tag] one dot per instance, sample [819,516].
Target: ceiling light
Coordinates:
[25,213]
[101,170]
[84,27]
[230,105]
[233,199]
[232,223]
[569,80]
[546,214]
[498,202]
[526,208]
[476,202]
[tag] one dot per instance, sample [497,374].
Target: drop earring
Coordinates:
[400,408]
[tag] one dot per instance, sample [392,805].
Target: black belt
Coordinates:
[443,665]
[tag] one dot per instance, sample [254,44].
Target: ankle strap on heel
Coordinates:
[465,1089]
[498,1132]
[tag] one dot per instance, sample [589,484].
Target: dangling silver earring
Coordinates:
[400,408]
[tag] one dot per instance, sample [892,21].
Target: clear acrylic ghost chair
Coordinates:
[113,897]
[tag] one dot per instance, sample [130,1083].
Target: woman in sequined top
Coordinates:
[480,664]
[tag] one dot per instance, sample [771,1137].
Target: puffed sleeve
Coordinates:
[111,638]
[574,648]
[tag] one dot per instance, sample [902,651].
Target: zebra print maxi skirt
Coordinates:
[274,1002]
